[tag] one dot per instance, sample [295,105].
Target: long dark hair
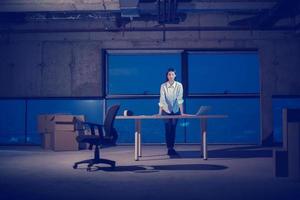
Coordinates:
[170,70]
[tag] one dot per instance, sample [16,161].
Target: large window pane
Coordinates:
[153,131]
[140,73]
[223,72]
[12,121]
[92,109]
[278,105]
[241,126]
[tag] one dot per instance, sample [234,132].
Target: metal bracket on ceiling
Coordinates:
[167,11]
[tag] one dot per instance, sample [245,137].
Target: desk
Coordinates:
[138,118]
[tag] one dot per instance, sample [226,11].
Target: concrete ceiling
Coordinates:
[253,14]
[165,11]
[116,5]
[58,5]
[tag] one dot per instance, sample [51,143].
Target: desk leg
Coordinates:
[136,158]
[203,123]
[137,140]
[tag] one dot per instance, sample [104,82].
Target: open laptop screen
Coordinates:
[203,110]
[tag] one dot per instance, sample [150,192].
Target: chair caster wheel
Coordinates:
[74,166]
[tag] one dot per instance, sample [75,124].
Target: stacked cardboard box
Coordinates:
[58,132]
[287,159]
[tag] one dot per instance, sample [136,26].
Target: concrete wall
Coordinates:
[49,69]
[70,64]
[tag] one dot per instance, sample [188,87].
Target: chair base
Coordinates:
[92,162]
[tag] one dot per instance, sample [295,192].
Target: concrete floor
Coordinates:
[231,172]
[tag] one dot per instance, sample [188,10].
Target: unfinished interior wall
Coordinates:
[69,64]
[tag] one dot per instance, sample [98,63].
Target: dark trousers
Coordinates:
[170,129]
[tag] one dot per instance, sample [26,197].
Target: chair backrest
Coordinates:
[109,119]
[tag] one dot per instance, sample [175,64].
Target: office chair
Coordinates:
[107,137]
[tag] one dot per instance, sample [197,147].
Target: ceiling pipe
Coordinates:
[150,29]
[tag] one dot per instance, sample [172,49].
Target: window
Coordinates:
[241,126]
[210,78]
[223,72]
[12,121]
[140,73]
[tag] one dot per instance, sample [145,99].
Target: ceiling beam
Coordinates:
[58,5]
[193,6]
[224,6]
[113,5]
[145,29]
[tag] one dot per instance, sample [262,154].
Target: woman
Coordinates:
[171,103]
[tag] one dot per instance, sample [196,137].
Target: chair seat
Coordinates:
[95,140]
[107,136]
[92,139]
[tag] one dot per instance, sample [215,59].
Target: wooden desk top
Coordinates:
[171,116]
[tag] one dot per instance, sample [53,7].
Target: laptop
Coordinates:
[203,110]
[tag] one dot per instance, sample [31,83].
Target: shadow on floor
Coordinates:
[157,168]
[232,152]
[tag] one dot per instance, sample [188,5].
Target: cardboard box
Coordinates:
[52,122]
[43,122]
[58,132]
[60,123]
[59,126]
[61,142]
[64,141]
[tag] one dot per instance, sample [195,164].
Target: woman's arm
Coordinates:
[162,100]
[180,100]
[160,111]
[181,108]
